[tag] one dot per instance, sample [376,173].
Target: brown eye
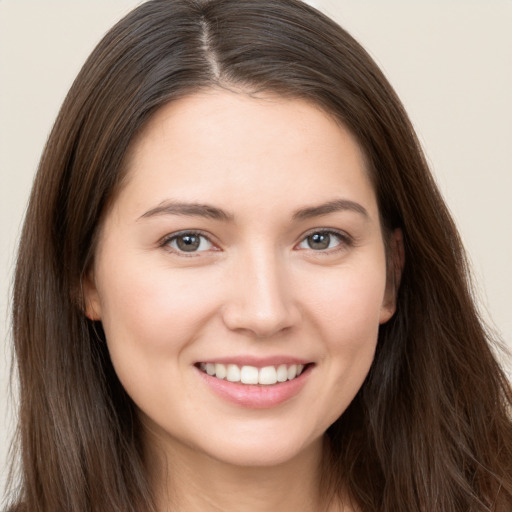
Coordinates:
[323,240]
[319,241]
[189,242]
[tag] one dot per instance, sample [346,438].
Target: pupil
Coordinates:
[319,241]
[188,243]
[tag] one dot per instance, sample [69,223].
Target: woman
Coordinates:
[238,287]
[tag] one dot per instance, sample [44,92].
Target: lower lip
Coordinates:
[256,396]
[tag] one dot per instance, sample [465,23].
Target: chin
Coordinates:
[253,448]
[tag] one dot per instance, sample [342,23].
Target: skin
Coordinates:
[255,287]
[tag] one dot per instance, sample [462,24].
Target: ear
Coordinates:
[91,297]
[396,261]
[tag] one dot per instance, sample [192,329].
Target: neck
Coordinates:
[185,480]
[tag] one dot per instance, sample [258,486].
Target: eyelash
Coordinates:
[167,240]
[344,241]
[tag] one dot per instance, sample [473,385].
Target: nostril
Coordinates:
[260,322]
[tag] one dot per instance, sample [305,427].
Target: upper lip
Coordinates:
[258,362]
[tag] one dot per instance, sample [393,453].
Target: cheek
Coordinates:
[150,317]
[346,313]
[347,304]
[352,324]
[148,314]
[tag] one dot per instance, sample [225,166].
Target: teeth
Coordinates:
[292,372]
[282,373]
[233,373]
[249,375]
[267,376]
[220,371]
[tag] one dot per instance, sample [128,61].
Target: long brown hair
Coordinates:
[430,429]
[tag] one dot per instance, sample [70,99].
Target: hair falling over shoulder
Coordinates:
[430,429]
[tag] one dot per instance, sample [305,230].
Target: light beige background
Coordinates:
[450,61]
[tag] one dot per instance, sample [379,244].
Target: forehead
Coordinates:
[222,145]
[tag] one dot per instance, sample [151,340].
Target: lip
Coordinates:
[256,396]
[258,362]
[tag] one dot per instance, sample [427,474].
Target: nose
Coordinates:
[261,299]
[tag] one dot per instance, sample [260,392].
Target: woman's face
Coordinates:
[245,244]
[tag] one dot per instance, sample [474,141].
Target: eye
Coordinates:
[323,240]
[188,242]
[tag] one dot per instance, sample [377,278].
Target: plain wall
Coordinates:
[450,61]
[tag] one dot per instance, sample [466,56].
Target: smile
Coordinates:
[266,376]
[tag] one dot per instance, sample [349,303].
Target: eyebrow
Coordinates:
[169,207]
[189,210]
[336,205]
